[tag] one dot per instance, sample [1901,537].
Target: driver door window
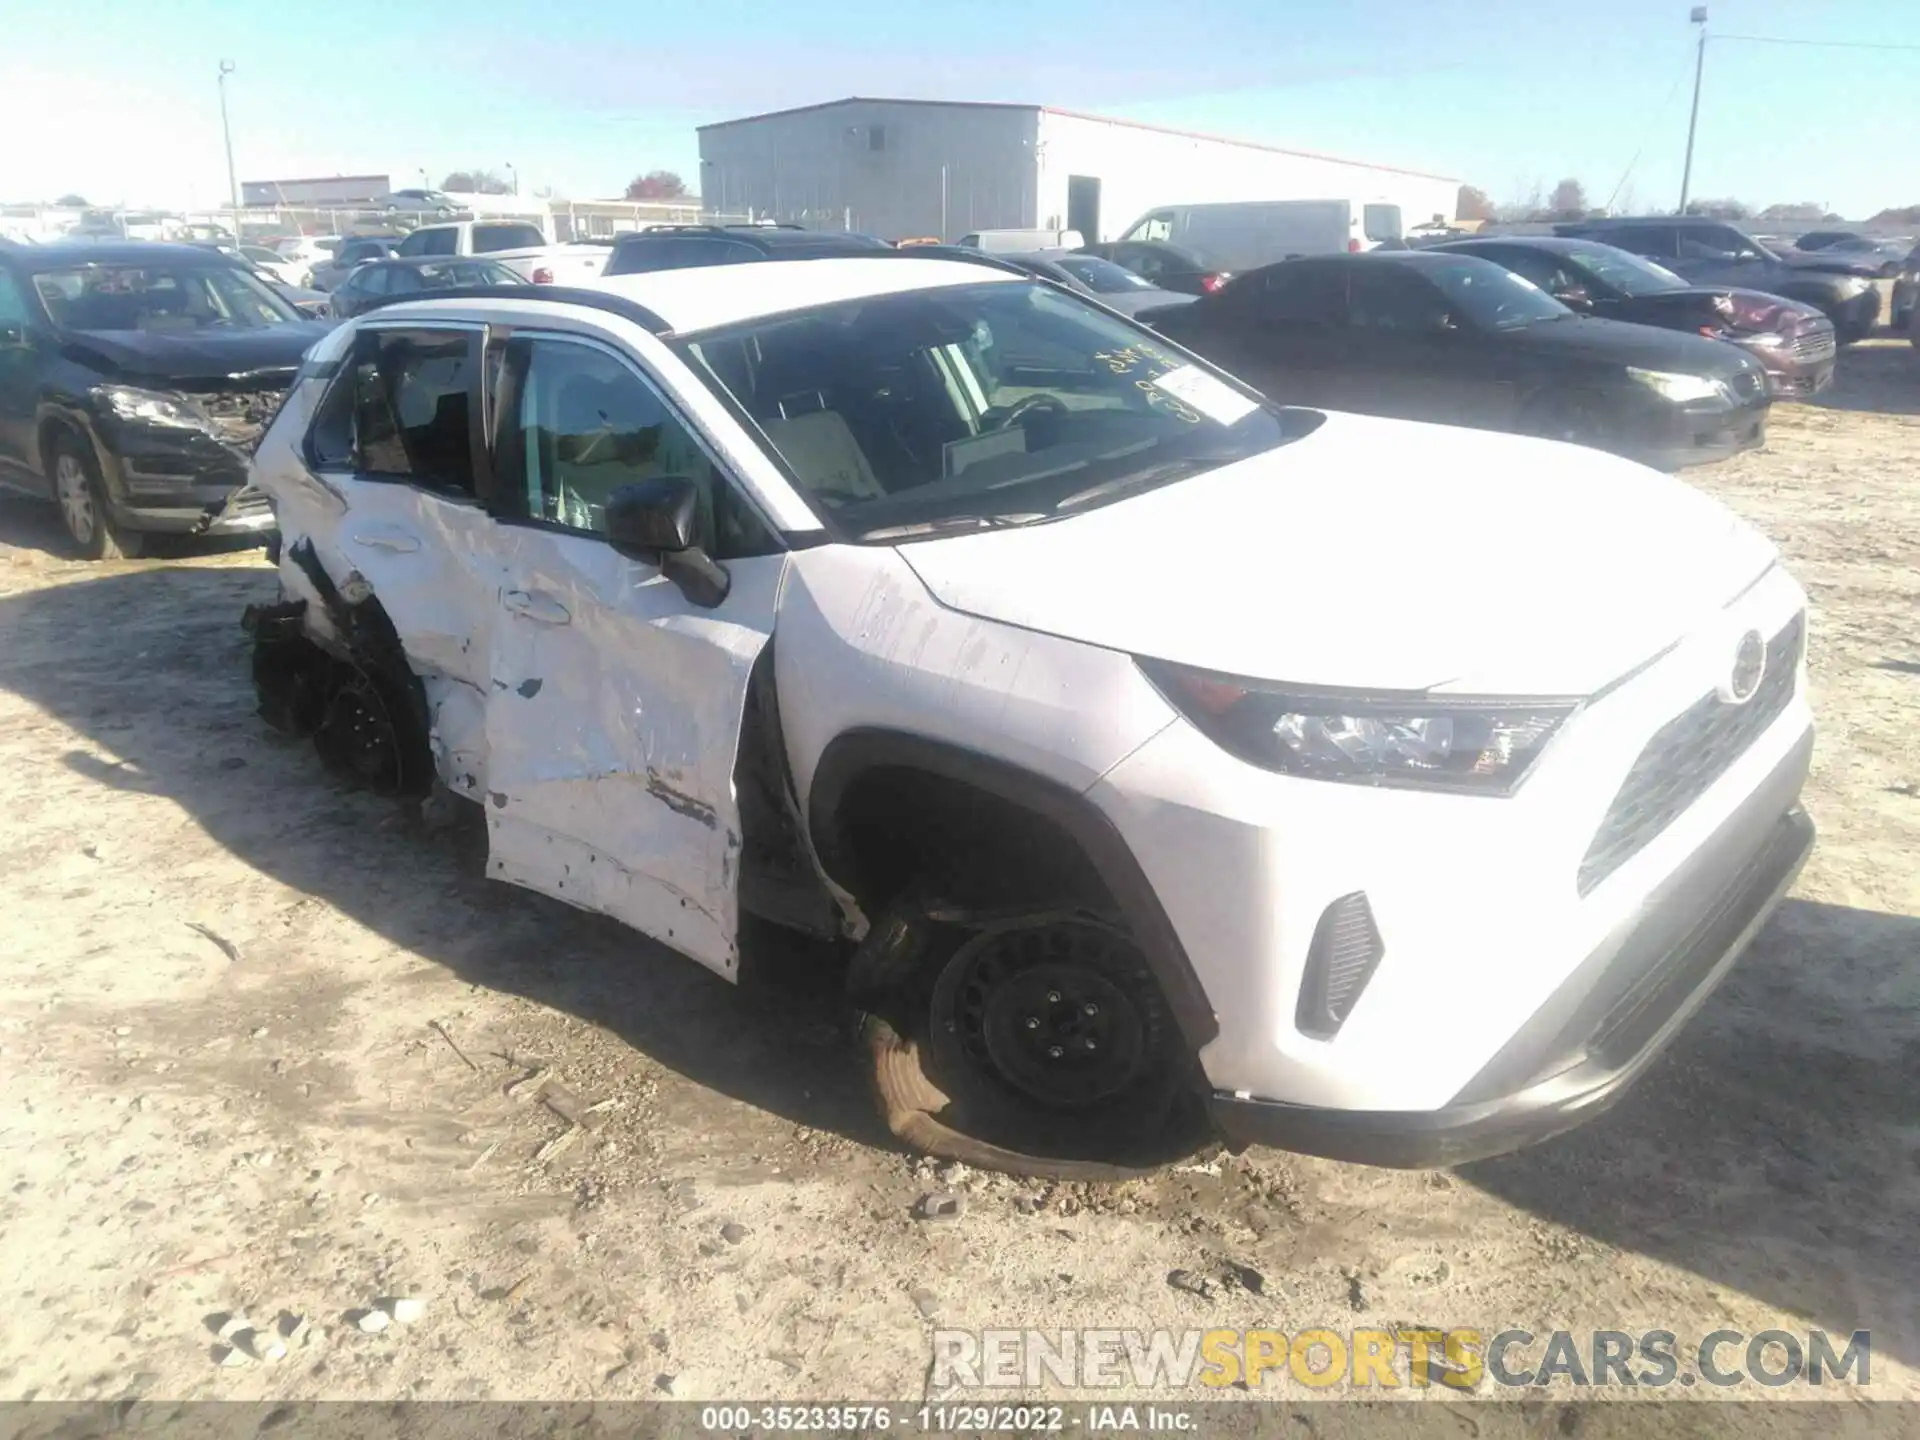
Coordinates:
[1712,242]
[1381,300]
[576,423]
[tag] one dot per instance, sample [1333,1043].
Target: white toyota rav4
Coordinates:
[1382,791]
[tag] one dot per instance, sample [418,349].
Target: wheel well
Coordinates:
[896,817]
[900,826]
[52,429]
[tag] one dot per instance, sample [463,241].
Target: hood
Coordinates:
[1376,554]
[1822,262]
[1620,342]
[210,357]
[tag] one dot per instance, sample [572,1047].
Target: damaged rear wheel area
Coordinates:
[358,701]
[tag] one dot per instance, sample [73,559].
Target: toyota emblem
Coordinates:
[1749,666]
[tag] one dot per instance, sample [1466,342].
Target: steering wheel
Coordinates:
[1025,406]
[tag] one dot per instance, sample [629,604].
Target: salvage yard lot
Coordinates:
[260,1037]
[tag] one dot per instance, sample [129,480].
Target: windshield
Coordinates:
[1494,299]
[975,405]
[1103,277]
[1630,274]
[160,298]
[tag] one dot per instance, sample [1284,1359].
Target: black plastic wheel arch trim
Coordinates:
[855,752]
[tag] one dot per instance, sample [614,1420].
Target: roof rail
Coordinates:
[553,294]
[727,229]
[959,254]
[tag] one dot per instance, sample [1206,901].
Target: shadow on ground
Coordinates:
[1772,1151]
[1881,376]
[149,662]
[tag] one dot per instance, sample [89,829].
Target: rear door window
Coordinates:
[517,235]
[1298,295]
[1654,241]
[1383,298]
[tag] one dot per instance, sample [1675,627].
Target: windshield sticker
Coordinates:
[1135,357]
[1196,390]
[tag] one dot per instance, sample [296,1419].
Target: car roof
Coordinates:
[769,236]
[1556,244]
[61,253]
[414,262]
[715,295]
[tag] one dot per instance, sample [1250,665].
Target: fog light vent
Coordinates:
[1346,948]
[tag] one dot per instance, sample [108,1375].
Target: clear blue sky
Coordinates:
[582,94]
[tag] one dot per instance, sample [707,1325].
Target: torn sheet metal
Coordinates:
[611,779]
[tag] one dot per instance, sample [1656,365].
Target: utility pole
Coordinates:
[515,174]
[226,132]
[1699,18]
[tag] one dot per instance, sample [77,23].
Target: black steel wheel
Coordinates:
[1039,1046]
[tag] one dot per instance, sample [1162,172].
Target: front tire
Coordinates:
[1037,1046]
[83,505]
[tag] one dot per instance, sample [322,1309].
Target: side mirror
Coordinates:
[658,521]
[1574,297]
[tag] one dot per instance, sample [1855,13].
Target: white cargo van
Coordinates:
[1246,234]
[1022,242]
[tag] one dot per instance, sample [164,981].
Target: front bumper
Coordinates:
[1578,1053]
[1690,435]
[164,480]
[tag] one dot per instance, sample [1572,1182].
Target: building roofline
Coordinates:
[1072,115]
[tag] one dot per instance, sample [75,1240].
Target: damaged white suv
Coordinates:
[1383,791]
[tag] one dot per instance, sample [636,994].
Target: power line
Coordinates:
[1653,124]
[1823,44]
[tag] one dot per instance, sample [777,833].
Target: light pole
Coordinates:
[1699,17]
[513,175]
[226,132]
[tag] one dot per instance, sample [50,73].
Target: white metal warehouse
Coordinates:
[900,168]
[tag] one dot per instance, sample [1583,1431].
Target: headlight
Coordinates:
[150,407]
[1424,742]
[1669,385]
[1765,340]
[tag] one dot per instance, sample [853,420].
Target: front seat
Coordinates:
[820,449]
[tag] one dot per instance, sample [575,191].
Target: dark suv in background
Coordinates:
[682,247]
[1712,252]
[135,380]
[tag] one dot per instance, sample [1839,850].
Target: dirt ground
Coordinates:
[222,1088]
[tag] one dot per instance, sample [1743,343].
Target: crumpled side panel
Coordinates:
[614,709]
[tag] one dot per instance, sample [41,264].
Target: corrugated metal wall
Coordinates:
[898,169]
[893,170]
[1140,169]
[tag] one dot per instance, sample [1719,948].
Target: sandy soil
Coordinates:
[221,1087]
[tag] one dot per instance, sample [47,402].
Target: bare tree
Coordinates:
[1472,204]
[80,201]
[1720,209]
[1568,200]
[476,182]
[656,185]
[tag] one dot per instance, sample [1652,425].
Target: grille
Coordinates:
[1813,345]
[1684,758]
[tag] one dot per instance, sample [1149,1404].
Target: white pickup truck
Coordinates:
[517,244]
